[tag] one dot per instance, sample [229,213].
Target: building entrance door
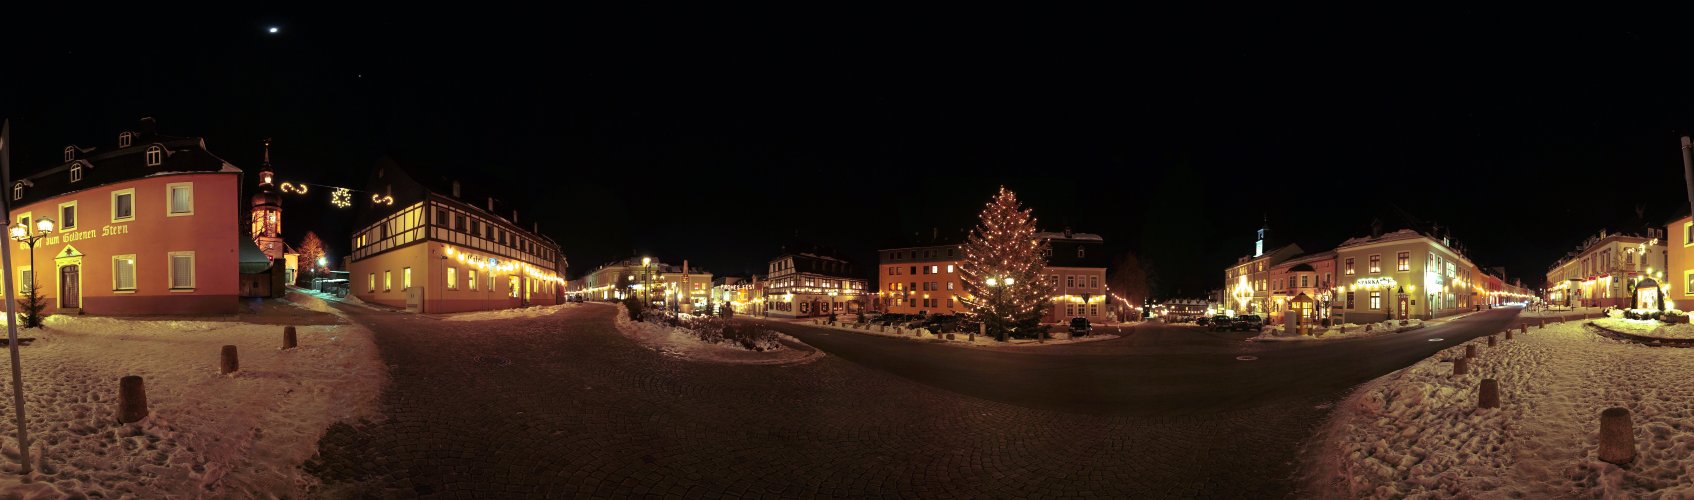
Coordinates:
[70,296]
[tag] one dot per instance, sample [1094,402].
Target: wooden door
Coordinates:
[70,295]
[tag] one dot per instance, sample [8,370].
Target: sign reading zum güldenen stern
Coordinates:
[107,230]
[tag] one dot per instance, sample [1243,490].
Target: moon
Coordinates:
[274,29]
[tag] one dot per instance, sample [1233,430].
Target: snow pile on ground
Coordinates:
[959,339]
[515,313]
[1347,331]
[680,343]
[1417,432]
[1647,328]
[208,435]
[1558,312]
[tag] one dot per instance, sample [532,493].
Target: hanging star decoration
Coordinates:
[341,197]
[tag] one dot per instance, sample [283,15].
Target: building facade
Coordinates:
[1402,275]
[1302,285]
[739,294]
[429,248]
[151,226]
[812,284]
[1603,270]
[1076,265]
[919,280]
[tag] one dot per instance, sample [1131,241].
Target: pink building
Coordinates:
[1304,284]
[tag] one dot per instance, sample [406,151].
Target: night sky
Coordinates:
[718,137]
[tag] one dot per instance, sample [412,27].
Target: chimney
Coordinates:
[455,189]
[537,229]
[149,127]
[514,216]
[491,204]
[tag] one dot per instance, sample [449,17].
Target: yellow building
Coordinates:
[1601,271]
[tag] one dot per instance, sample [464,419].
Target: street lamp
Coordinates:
[646,280]
[22,233]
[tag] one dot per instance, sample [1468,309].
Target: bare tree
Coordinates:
[1130,280]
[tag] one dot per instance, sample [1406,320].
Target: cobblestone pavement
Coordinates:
[580,411]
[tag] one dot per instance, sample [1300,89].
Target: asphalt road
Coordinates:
[1154,369]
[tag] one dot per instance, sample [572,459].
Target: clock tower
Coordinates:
[267,211]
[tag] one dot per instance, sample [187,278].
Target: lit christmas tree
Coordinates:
[1004,270]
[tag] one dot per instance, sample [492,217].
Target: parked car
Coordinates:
[1248,323]
[1221,322]
[1202,321]
[1081,328]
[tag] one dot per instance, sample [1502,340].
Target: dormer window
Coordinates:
[70,153]
[1080,251]
[124,138]
[17,191]
[155,156]
[76,172]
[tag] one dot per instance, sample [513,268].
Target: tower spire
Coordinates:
[267,151]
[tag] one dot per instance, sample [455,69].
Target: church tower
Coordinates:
[267,211]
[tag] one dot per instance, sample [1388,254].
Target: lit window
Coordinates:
[934,269]
[949,267]
[1375,263]
[1349,269]
[452,278]
[181,196]
[1375,299]
[471,273]
[1405,263]
[371,282]
[155,156]
[123,205]
[182,270]
[405,278]
[123,272]
[76,172]
[387,280]
[67,215]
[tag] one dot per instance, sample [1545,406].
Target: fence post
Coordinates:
[1488,395]
[132,399]
[228,361]
[1617,436]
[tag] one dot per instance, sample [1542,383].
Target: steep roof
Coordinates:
[107,166]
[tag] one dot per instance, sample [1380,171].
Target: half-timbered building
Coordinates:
[427,245]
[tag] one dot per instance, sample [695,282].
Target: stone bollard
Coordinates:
[1491,341]
[1524,329]
[1508,334]
[1461,366]
[981,329]
[289,340]
[1488,395]
[1617,436]
[229,363]
[132,399]
[1470,350]
[1543,324]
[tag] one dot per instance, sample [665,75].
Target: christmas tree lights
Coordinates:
[1004,270]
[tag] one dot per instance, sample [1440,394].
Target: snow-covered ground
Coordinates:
[517,313]
[1351,331]
[1416,432]
[679,343]
[1647,328]
[1560,312]
[962,339]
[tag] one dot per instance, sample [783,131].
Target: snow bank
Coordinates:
[1417,432]
[679,343]
[959,339]
[1647,328]
[208,435]
[1351,331]
[516,313]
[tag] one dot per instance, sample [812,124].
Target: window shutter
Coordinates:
[182,271]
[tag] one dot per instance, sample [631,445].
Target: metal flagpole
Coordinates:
[11,302]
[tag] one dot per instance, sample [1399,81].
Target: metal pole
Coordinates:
[12,305]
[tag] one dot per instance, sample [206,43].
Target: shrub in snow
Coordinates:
[30,307]
[634,307]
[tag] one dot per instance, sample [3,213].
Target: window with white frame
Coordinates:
[26,279]
[124,139]
[181,270]
[1070,281]
[67,215]
[471,273]
[180,199]
[155,156]
[1349,268]
[452,278]
[70,153]
[17,191]
[76,172]
[123,273]
[123,205]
